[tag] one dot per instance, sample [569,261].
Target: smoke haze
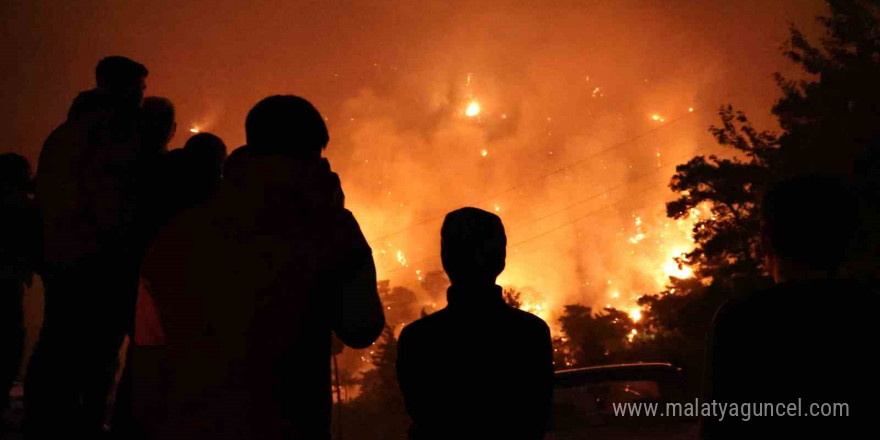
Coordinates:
[584,108]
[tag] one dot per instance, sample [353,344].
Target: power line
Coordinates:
[544,176]
[569,223]
[542,234]
[595,196]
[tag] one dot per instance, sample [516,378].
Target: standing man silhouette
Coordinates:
[790,344]
[477,368]
[249,286]
[88,192]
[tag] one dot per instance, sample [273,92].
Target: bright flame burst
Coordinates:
[674,240]
[635,314]
[401,258]
[538,309]
[672,269]
[473,109]
[194,130]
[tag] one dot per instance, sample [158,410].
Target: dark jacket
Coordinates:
[477,369]
[807,342]
[86,183]
[249,287]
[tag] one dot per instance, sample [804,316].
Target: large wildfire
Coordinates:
[566,119]
[586,221]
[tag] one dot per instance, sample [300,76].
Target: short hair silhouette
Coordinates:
[234,167]
[118,72]
[810,220]
[207,147]
[286,125]
[159,120]
[15,173]
[473,246]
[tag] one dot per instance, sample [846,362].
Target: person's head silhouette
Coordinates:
[807,225]
[234,167]
[205,155]
[473,247]
[159,122]
[123,78]
[286,125]
[15,174]
[209,148]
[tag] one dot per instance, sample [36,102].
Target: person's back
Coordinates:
[478,368]
[249,287]
[807,340]
[88,195]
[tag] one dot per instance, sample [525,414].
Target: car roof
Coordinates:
[651,371]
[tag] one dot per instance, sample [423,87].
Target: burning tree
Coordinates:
[829,123]
[593,339]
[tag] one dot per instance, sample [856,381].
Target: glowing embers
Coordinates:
[632,335]
[473,109]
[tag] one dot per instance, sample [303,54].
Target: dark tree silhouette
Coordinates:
[592,339]
[401,305]
[378,411]
[731,189]
[830,122]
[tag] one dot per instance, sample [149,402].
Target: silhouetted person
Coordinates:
[87,188]
[206,154]
[188,177]
[234,167]
[120,79]
[812,336]
[159,123]
[158,127]
[249,286]
[183,178]
[19,256]
[477,368]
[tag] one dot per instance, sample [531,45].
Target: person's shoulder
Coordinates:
[528,321]
[759,305]
[345,227]
[731,312]
[425,325]
[344,217]
[60,137]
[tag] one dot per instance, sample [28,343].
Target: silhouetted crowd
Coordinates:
[221,280]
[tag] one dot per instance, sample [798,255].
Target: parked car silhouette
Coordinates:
[585,399]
